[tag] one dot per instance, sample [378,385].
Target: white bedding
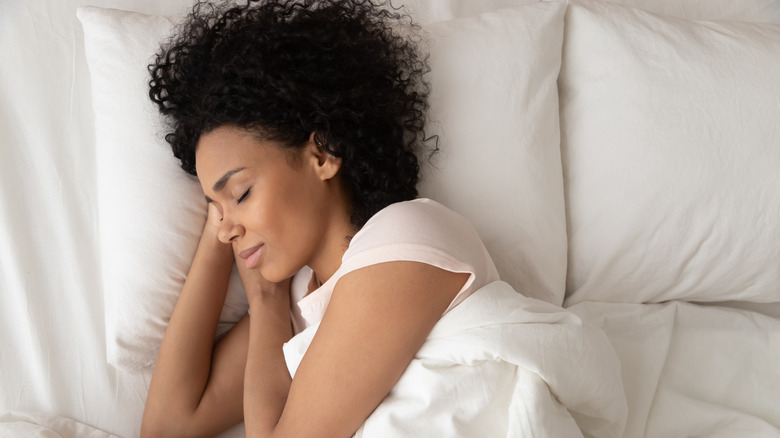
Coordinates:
[37,425]
[52,332]
[501,365]
[693,370]
[688,370]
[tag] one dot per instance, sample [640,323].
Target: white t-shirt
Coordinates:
[421,230]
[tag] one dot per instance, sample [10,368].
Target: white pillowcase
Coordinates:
[671,154]
[494,105]
[499,165]
[150,212]
[427,11]
[754,11]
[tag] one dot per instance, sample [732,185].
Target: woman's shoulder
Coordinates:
[419,223]
[421,230]
[407,219]
[418,206]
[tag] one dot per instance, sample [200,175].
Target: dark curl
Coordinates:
[284,69]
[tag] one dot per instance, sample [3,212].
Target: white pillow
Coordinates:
[494,105]
[757,11]
[671,153]
[427,11]
[150,212]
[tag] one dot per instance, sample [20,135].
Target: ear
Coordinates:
[326,164]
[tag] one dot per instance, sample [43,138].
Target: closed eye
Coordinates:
[244,196]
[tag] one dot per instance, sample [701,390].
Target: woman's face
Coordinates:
[280,207]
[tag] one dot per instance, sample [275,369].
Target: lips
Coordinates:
[251,256]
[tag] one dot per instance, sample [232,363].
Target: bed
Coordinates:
[626,169]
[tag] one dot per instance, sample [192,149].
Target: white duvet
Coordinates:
[40,425]
[501,365]
[695,371]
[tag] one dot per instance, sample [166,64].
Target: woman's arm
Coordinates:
[196,391]
[377,319]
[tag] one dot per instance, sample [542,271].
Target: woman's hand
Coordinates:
[213,222]
[266,379]
[255,285]
[209,239]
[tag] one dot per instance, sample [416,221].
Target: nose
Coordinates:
[229,230]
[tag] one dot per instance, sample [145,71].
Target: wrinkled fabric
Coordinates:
[501,365]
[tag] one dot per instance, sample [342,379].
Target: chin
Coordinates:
[274,275]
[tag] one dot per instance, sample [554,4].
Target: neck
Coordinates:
[335,242]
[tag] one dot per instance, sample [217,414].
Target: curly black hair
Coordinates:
[284,69]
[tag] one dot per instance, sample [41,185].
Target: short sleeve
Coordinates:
[421,230]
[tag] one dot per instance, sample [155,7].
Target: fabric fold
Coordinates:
[501,364]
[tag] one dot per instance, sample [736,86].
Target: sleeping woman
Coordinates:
[303,121]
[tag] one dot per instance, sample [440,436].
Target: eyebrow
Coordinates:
[222,182]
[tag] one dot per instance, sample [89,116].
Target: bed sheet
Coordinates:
[52,333]
[694,370]
[52,336]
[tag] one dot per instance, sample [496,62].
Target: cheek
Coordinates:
[299,217]
[297,193]
[291,208]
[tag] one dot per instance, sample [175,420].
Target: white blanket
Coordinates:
[694,371]
[40,425]
[501,365]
